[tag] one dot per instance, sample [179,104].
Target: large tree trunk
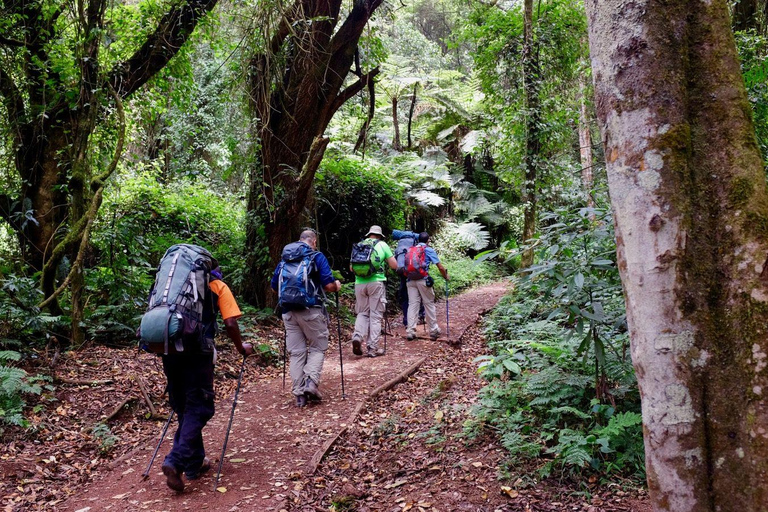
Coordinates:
[532,143]
[410,114]
[691,209]
[396,144]
[296,88]
[585,147]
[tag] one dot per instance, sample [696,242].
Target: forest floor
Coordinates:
[395,443]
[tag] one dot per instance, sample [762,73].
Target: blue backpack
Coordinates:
[295,287]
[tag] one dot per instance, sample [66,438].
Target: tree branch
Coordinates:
[355,88]
[363,135]
[307,176]
[353,26]
[172,32]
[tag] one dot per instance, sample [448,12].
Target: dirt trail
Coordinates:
[271,440]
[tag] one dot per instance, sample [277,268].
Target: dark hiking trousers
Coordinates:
[190,392]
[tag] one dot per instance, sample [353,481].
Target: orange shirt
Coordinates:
[227,303]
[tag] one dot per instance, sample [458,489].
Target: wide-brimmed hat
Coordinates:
[375,230]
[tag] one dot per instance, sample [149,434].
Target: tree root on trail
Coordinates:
[79,382]
[314,462]
[119,408]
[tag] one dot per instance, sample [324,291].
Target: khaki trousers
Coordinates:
[306,339]
[370,302]
[418,293]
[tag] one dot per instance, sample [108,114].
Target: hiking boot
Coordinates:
[311,391]
[301,401]
[204,468]
[434,335]
[410,337]
[173,477]
[376,352]
[356,347]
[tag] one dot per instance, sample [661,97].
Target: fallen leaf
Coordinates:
[509,491]
[221,489]
[236,460]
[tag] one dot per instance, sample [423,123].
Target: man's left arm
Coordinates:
[230,312]
[328,282]
[433,258]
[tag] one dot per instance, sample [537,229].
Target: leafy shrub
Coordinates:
[572,412]
[351,196]
[14,384]
[22,322]
[138,222]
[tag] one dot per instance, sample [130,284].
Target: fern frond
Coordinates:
[427,198]
[9,355]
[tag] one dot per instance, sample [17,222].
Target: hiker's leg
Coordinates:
[313,322]
[414,301]
[377,302]
[362,308]
[188,452]
[296,345]
[402,294]
[173,368]
[427,294]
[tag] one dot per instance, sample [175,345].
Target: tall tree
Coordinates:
[691,210]
[297,82]
[532,131]
[55,83]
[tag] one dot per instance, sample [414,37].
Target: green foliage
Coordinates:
[140,219]
[753,54]
[351,196]
[559,40]
[571,412]
[462,271]
[22,322]
[15,383]
[104,436]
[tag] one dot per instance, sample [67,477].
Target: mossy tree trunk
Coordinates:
[691,209]
[296,86]
[531,78]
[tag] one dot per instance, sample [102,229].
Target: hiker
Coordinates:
[299,280]
[420,291]
[405,240]
[367,263]
[188,359]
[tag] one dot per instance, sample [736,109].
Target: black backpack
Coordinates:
[296,289]
[177,302]
[361,260]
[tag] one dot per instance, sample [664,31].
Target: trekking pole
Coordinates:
[285,354]
[341,357]
[145,474]
[229,427]
[447,317]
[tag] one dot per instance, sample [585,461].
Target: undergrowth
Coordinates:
[561,389]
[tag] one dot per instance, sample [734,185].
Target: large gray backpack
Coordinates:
[174,316]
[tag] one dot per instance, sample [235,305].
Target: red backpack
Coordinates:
[416,263]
